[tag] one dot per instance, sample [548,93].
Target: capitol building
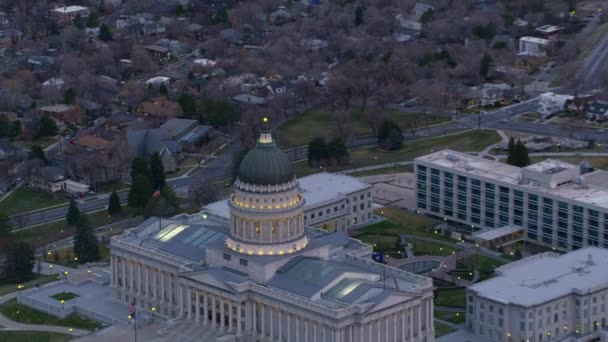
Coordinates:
[264,273]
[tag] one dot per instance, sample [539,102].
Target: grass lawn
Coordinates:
[384,171]
[25,199]
[33,336]
[65,256]
[65,296]
[23,314]
[482,264]
[114,186]
[592,41]
[380,242]
[403,222]
[44,234]
[442,329]
[452,317]
[422,247]
[318,123]
[451,297]
[6,288]
[464,142]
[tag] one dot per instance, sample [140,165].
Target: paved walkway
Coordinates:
[8,324]
[47,268]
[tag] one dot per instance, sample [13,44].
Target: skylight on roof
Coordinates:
[169,232]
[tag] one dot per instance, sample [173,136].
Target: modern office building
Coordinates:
[556,204]
[263,274]
[545,297]
[333,202]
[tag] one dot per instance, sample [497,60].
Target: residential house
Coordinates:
[532,46]
[549,31]
[68,114]
[158,80]
[196,31]
[144,143]
[160,108]
[189,134]
[277,87]
[313,44]
[142,24]
[232,36]
[495,94]
[41,63]
[54,82]
[597,110]
[47,178]
[405,29]
[158,52]
[176,48]
[550,104]
[7,150]
[65,15]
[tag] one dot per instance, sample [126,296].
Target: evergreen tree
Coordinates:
[69,96]
[139,166]
[523,158]
[140,192]
[337,151]
[157,172]
[105,33]
[359,13]
[86,246]
[46,127]
[163,205]
[485,64]
[390,135]
[511,151]
[19,262]
[4,126]
[93,21]
[187,103]
[15,129]
[179,10]
[5,225]
[317,151]
[163,89]
[114,206]
[38,152]
[73,215]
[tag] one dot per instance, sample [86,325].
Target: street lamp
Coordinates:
[62,301]
[153,309]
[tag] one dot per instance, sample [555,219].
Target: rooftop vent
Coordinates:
[590,261]
[452,157]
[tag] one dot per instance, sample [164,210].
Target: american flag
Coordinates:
[156,193]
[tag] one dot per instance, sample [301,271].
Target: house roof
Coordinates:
[51,173]
[93,142]
[250,99]
[597,107]
[149,141]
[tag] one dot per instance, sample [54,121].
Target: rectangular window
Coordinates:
[243,262]
[227,257]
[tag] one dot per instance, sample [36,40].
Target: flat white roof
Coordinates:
[317,189]
[547,276]
[511,175]
[491,234]
[551,164]
[70,9]
[535,40]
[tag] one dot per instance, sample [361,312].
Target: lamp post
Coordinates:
[153,312]
[135,323]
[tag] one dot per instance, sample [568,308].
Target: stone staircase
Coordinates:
[189,331]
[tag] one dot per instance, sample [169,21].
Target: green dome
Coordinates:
[266,164]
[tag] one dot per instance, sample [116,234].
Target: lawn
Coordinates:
[592,40]
[109,187]
[464,142]
[482,264]
[23,314]
[422,247]
[383,243]
[452,317]
[47,233]
[453,297]
[442,329]
[384,171]
[399,221]
[65,256]
[24,199]
[33,336]
[318,123]
[6,288]
[64,296]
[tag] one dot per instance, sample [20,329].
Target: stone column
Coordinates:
[420,319]
[306,330]
[314,332]
[162,287]
[254,317]
[222,315]
[410,318]
[378,321]
[139,287]
[170,292]
[271,314]
[262,320]
[369,330]
[297,319]
[197,306]
[280,321]
[213,311]
[238,320]
[403,337]
[395,326]
[131,278]
[154,284]
[181,301]
[113,268]
[288,318]
[189,302]
[230,308]
[205,309]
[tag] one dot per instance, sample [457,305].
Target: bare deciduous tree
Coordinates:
[203,192]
